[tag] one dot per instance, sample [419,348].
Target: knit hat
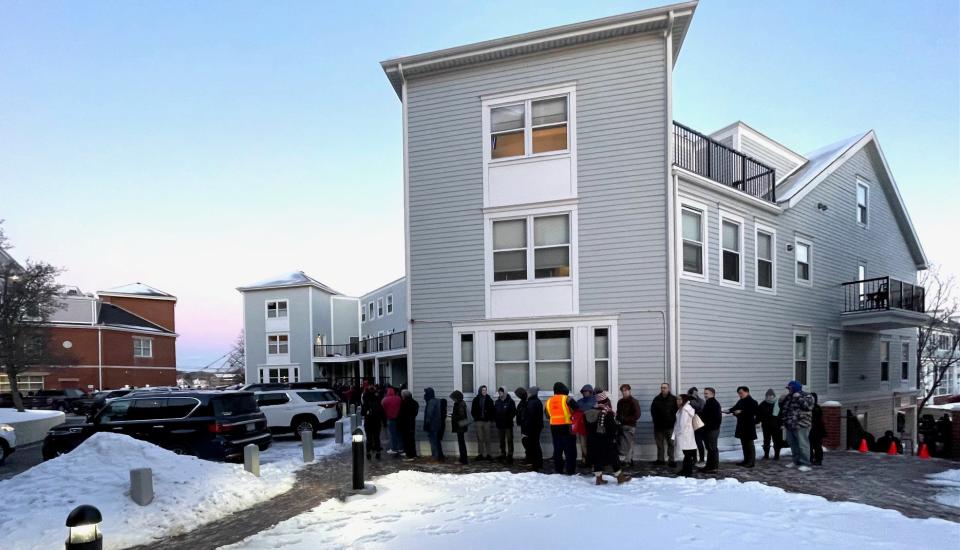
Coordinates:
[602,396]
[794,386]
[770,393]
[692,390]
[559,388]
[586,387]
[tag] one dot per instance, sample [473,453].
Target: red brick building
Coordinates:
[122,336]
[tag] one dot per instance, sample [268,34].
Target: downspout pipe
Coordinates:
[406,223]
[673,282]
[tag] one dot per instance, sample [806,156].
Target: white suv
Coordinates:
[299,410]
[8,441]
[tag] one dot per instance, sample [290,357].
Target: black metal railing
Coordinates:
[882,293]
[387,342]
[711,159]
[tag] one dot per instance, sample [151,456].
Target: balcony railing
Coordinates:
[711,159]
[387,342]
[881,294]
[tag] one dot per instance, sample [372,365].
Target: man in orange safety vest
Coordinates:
[559,411]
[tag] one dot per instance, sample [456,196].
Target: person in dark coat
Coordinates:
[697,403]
[663,411]
[432,422]
[459,422]
[628,414]
[770,425]
[818,430]
[483,411]
[882,445]
[585,403]
[746,412]
[373,420]
[504,412]
[712,416]
[407,424]
[521,418]
[602,429]
[531,428]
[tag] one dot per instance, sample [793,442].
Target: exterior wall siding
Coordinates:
[620,131]
[392,322]
[301,341]
[346,319]
[780,163]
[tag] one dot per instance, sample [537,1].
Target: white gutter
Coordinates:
[673,282]
[100,358]
[406,224]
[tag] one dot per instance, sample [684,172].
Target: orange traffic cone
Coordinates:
[893,448]
[863,445]
[924,453]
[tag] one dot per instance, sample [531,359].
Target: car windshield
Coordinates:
[316,396]
[234,405]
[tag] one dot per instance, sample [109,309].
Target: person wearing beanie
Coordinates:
[504,412]
[770,425]
[531,428]
[585,403]
[602,430]
[459,422]
[796,408]
[663,411]
[628,414]
[697,403]
[559,411]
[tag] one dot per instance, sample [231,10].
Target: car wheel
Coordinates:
[62,407]
[51,454]
[181,450]
[305,424]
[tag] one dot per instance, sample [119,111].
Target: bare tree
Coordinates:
[936,355]
[28,296]
[236,360]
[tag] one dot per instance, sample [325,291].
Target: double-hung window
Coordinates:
[278,344]
[553,357]
[863,202]
[833,360]
[551,360]
[363,314]
[601,357]
[370,313]
[511,359]
[801,354]
[466,364]
[803,254]
[142,347]
[904,361]
[379,307]
[884,361]
[389,304]
[766,258]
[731,250]
[550,252]
[693,230]
[277,309]
[529,127]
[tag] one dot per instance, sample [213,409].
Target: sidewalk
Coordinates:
[895,482]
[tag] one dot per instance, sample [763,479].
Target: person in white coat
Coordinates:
[683,436]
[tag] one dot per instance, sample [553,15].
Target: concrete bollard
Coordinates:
[338,432]
[306,438]
[251,459]
[141,486]
[354,421]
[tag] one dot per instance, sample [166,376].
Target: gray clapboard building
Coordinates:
[560,225]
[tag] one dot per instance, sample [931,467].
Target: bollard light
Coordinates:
[358,456]
[84,529]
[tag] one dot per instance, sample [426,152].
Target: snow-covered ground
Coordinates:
[188,491]
[949,481]
[532,511]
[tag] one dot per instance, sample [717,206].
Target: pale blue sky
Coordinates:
[197,146]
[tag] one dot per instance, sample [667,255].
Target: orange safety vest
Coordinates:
[559,410]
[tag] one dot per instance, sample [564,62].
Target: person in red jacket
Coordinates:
[391,409]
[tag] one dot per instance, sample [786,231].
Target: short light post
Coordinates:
[84,529]
[358,444]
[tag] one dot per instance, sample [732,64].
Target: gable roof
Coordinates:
[137,289]
[650,20]
[825,161]
[288,280]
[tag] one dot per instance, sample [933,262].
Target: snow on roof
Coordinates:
[817,162]
[289,279]
[137,289]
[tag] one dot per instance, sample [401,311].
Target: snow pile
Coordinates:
[188,491]
[950,482]
[527,511]
[12,416]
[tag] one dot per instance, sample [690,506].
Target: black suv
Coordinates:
[61,400]
[213,425]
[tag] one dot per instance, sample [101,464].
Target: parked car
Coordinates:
[265,386]
[299,410]
[91,404]
[211,425]
[8,441]
[6,400]
[60,400]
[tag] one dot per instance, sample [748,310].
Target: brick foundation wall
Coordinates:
[87,377]
[833,419]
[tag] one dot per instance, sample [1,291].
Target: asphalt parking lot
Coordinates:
[28,456]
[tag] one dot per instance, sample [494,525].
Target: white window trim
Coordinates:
[832,336]
[266,308]
[594,358]
[797,241]
[757,229]
[727,216]
[458,362]
[793,356]
[705,241]
[389,304]
[381,310]
[149,346]
[866,186]
[277,335]
[574,277]
[293,372]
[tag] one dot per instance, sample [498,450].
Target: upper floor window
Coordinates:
[363,314]
[833,360]
[904,361]
[370,314]
[766,250]
[142,347]
[803,256]
[884,361]
[277,309]
[694,236]
[549,257]
[863,202]
[529,127]
[379,307]
[278,344]
[389,304]
[731,245]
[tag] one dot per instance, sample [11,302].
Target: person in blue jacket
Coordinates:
[433,423]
